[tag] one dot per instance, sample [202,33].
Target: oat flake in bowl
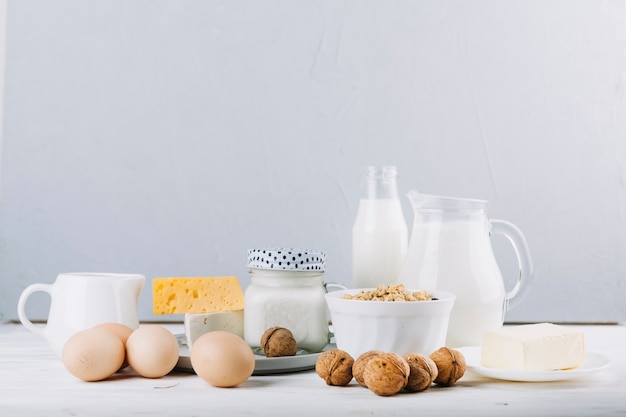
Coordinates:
[391,292]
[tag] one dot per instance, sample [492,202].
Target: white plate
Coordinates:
[592,363]
[303,360]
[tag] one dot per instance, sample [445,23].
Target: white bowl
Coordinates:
[391,326]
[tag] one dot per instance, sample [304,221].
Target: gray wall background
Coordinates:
[168,137]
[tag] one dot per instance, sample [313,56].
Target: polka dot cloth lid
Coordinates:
[287,258]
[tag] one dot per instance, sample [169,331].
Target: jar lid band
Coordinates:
[287,258]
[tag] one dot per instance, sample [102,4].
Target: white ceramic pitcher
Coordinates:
[82,300]
[450,250]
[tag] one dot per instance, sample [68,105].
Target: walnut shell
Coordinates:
[423,372]
[335,367]
[386,374]
[359,365]
[278,341]
[450,365]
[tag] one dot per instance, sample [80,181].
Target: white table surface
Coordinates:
[34,382]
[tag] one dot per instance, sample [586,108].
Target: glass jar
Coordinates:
[286,289]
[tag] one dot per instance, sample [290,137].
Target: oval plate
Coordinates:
[303,361]
[593,362]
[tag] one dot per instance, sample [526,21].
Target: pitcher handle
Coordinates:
[21,306]
[525,278]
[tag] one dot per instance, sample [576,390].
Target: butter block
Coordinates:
[196,295]
[537,347]
[198,324]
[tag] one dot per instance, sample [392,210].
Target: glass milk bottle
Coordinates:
[379,233]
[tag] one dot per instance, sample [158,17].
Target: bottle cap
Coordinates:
[382,171]
[287,259]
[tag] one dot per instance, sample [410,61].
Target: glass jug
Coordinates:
[450,249]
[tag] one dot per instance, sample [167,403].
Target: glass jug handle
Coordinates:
[518,241]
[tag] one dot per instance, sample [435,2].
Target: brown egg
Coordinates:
[93,354]
[123,332]
[152,351]
[222,359]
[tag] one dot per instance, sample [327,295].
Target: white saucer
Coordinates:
[592,363]
[302,361]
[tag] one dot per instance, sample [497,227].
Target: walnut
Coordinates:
[450,365]
[359,365]
[335,367]
[423,372]
[278,341]
[386,374]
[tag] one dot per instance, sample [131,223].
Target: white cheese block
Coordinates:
[537,347]
[198,324]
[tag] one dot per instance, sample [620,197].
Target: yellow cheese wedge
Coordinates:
[196,295]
